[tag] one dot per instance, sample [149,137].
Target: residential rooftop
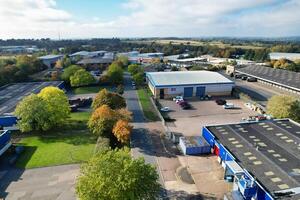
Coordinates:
[187,78]
[268,150]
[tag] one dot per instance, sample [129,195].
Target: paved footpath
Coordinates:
[47,183]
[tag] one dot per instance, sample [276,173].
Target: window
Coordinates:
[173,89]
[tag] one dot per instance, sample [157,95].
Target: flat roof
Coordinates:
[279,55]
[187,78]
[279,76]
[269,150]
[11,94]
[50,56]
[95,61]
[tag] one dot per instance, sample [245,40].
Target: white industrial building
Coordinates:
[188,84]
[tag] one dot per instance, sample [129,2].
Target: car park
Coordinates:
[220,102]
[228,106]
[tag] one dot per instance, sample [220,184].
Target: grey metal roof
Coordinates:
[95,61]
[50,57]
[186,78]
[279,76]
[268,149]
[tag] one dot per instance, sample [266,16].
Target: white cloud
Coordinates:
[42,18]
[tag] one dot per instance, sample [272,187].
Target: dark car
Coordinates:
[238,76]
[182,102]
[185,106]
[244,78]
[221,102]
[251,79]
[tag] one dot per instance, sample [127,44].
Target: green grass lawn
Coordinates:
[147,106]
[70,144]
[90,89]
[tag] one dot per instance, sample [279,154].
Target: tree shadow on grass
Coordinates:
[25,156]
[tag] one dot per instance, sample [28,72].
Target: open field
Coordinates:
[198,43]
[147,107]
[70,144]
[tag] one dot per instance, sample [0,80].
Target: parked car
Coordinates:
[73,108]
[220,102]
[165,109]
[178,98]
[244,77]
[228,106]
[181,102]
[251,79]
[185,106]
[238,76]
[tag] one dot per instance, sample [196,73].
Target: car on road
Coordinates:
[228,106]
[220,102]
[165,109]
[251,79]
[178,98]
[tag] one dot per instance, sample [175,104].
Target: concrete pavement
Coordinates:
[47,183]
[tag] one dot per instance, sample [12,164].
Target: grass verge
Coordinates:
[72,143]
[90,89]
[147,106]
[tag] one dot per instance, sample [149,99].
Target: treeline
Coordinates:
[19,69]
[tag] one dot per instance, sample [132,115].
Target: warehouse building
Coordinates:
[282,79]
[188,84]
[262,159]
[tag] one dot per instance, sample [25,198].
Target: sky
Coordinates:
[78,19]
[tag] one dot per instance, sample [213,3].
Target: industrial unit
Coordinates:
[262,159]
[188,84]
[282,79]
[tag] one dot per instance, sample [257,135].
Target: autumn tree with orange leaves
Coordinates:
[122,131]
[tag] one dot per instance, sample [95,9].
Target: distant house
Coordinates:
[95,63]
[288,56]
[50,60]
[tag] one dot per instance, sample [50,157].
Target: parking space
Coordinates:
[190,122]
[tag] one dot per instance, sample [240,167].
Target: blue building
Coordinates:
[5,142]
[262,159]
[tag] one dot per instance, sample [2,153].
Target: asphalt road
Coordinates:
[12,94]
[141,142]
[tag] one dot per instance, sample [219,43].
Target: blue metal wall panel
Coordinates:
[188,92]
[200,91]
[262,194]
[8,120]
[208,136]
[4,139]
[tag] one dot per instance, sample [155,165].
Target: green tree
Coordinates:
[138,78]
[81,78]
[279,106]
[57,104]
[69,71]
[134,68]
[33,114]
[295,111]
[123,60]
[113,100]
[112,175]
[115,74]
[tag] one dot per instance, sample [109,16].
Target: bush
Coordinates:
[102,144]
